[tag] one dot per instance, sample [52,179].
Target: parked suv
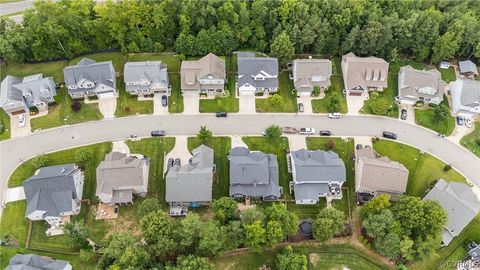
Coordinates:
[300,107]
[334,115]
[307,131]
[164,101]
[158,133]
[221,114]
[325,133]
[389,135]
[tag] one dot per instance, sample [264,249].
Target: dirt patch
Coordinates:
[313,258]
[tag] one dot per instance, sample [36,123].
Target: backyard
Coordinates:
[448,75]
[472,140]
[48,69]
[321,105]
[221,147]
[285,90]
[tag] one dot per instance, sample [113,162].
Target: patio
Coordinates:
[106,211]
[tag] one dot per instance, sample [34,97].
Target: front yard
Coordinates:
[222,104]
[472,140]
[129,104]
[5,121]
[285,90]
[321,105]
[425,118]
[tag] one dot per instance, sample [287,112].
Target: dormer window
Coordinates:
[259,77]
[73,86]
[44,91]
[210,77]
[89,85]
[28,95]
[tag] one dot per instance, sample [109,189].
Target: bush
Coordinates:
[1,128]
[148,206]
[39,161]
[447,167]
[477,141]
[83,154]
[76,106]
[86,255]
[330,144]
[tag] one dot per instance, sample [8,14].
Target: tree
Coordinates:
[288,220]
[445,47]
[204,134]
[388,245]
[124,252]
[234,234]
[87,255]
[274,233]
[333,102]
[148,206]
[40,161]
[289,260]
[76,106]
[255,236]
[211,239]
[190,228]
[282,48]
[83,154]
[250,215]
[224,209]
[440,113]
[277,101]
[192,262]
[380,106]
[76,234]
[375,205]
[273,132]
[381,224]
[134,257]
[159,231]
[329,221]
[334,214]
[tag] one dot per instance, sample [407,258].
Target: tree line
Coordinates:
[424,30]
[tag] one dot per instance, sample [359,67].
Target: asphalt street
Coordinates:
[14,151]
[9,8]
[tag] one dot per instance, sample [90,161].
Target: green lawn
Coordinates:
[423,168]
[425,118]
[472,140]
[175,101]
[39,240]
[221,147]
[13,222]
[62,113]
[49,69]
[320,105]
[117,58]
[306,211]
[278,147]
[129,104]
[5,121]
[285,87]
[222,104]
[448,75]
[170,59]
[337,66]
[155,149]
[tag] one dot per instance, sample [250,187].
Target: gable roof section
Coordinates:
[192,71]
[468,66]
[249,66]
[364,72]
[153,71]
[465,93]
[87,69]
[305,69]
[413,82]
[15,88]
[35,262]
[51,190]
[317,166]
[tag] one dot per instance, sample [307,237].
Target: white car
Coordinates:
[335,115]
[307,131]
[21,120]
[468,122]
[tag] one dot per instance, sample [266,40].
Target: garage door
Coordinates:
[106,95]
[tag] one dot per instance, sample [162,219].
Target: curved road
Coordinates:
[14,151]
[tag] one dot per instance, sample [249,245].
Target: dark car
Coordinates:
[300,107]
[389,135]
[158,133]
[177,162]
[221,114]
[169,163]
[460,121]
[325,133]
[164,101]
[403,114]
[359,146]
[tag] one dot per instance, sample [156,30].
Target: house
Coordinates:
[317,174]
[18,95]
[253,174]
[53,194]
[420,85]
[120,176]
[472,262]
[459,202]
[256,74]
[36,262]
[204,76]
[144,78]
[363,74]
[89,78]
[468,68]
[474,252]
[308,73]
[444,64]
[191,184]
[376,175]
[465,97]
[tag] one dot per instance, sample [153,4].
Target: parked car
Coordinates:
[335,115]
[289,130]
[169,163]
[21,120]
[468,122]
[389,135]
[403,114]
[221,114]
[307,131]
[300,107]
[325,133]
[359,146]
[177,162]
[460,121]
[158,133]
[164,101]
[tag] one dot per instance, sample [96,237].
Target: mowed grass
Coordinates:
[5,121]
[423,168]
[155,149]
[278,147]
[128,104]
[448,75]
[321,105]
[426,118]
[169,59]
[39,240]
[175,101]
[222,104]
[48,69]
[472,141]
[14,223]
[117,58]
[61,113]
[221,147]
[285,88]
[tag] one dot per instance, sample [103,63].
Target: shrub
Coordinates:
[76,106]
[447,167]
[330,144]
[1,128]
[477,141]
[39,161]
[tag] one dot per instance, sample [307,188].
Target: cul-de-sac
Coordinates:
[239,134]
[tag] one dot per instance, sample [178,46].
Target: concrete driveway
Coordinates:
[158,109]
[459,132]
[107,106]
[14,194]
[16,130]
[179,150]
[191,103]
[120,146]
[297,142]
[355,104]
[307,105]
[410,113]
[246,104]
[237,142]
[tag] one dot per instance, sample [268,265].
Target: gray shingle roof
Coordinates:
[417,84]
[88,69]
[468,66]
[16,89]
[193,181]
[459,202]
[249,66]
[153,71]
[35,262]
[51,190]
[253,173]
[192,71]
[465,95]
[364,72]
[304,69]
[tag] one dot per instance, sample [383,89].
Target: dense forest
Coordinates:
[423,30]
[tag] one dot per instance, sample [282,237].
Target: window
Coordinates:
[73,87]
[44,91]
[28,95]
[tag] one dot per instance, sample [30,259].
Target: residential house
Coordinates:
[474,252]
[308,73]
[444,64]
[204,76]
[89,78]
[317,174]
[376,175]
[191,184]
[256,74]
[363,74]
[120,176]
[465,97]
[36,262]
[18,95]
[459,202]
[54,194]
[468,68]
[144,78]
[253,174]
[472,262]
[420,85]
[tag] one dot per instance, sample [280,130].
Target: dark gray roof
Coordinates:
[253,173]
[474,252]
[15,89]
[417,84]
[88,69]
[35,262]
[249,66]
[51,190]
[468,66]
